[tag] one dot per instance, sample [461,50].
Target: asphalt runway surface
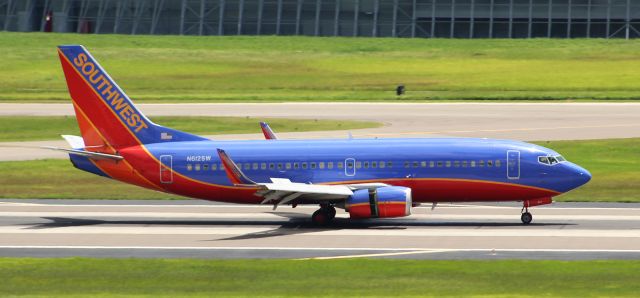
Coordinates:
[519,121]
[199,229]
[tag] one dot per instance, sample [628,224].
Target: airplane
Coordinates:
[368,178]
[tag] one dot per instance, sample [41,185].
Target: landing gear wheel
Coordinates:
[331,211]
[321,217]
[526,218]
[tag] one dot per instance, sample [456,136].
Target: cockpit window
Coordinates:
[551,160]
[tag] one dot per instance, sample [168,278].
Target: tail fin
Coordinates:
[105,113]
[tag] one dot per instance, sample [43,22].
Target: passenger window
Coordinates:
[214,166]
[389,164]
[374,164]
[304,165]
[481,163]
[406,164]
[473,163]
[239,165]
[489,163]
[498,163]
[254,166]
[189,167]
[313,165]
[296,165]
[448,164]
[263,166]
[464,163]
[330,165]
[288,166]
[358,164]
[221,167]
[280,166]
[247,166]
[456,164]
[439,164]
[423,164]
[366,164]
[416,164]
[321,165]
[350,165]
[197,167]
[272,166]
[205,167]
[382,164]
[431,164]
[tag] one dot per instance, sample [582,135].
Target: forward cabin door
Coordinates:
[166,169]
[513,164]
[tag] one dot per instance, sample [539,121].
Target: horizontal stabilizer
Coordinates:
[89,154]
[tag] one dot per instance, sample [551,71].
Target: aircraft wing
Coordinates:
[281,191]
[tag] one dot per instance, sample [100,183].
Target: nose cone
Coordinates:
[580,176]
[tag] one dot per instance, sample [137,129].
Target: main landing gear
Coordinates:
[526,217]
[324,215]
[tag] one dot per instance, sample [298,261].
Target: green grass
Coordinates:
[614,164]
[80,277]
[28,128]
[244,68]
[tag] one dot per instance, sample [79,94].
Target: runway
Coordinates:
[198,229]
[520,121]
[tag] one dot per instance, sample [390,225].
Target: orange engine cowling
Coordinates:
[388,201]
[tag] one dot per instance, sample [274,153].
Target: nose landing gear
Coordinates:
[324,215]
[526,217]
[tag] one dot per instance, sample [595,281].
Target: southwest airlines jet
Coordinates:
[368,178]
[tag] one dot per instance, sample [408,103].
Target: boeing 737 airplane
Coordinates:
[368,178]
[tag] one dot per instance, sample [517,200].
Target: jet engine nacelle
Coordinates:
[388,201]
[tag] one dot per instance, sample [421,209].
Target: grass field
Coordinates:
[28,128]
[239,68]
[334,278]
[614,164]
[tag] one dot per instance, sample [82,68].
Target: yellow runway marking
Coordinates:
[389,254]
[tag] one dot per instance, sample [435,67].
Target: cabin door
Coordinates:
[166,169]
[513,164]
[350,167]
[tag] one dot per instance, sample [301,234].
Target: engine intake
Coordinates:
[382,202]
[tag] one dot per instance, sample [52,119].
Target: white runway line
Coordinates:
[288,248]
[269,215]
[432,232]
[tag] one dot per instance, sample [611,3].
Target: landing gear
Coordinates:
[526,217]
[324,215]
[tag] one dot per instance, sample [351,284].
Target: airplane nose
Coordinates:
[581,175]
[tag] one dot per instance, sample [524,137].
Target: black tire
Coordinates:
[320,217]
[526,218]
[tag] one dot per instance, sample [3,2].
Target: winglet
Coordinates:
[267,131]
[233,172]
